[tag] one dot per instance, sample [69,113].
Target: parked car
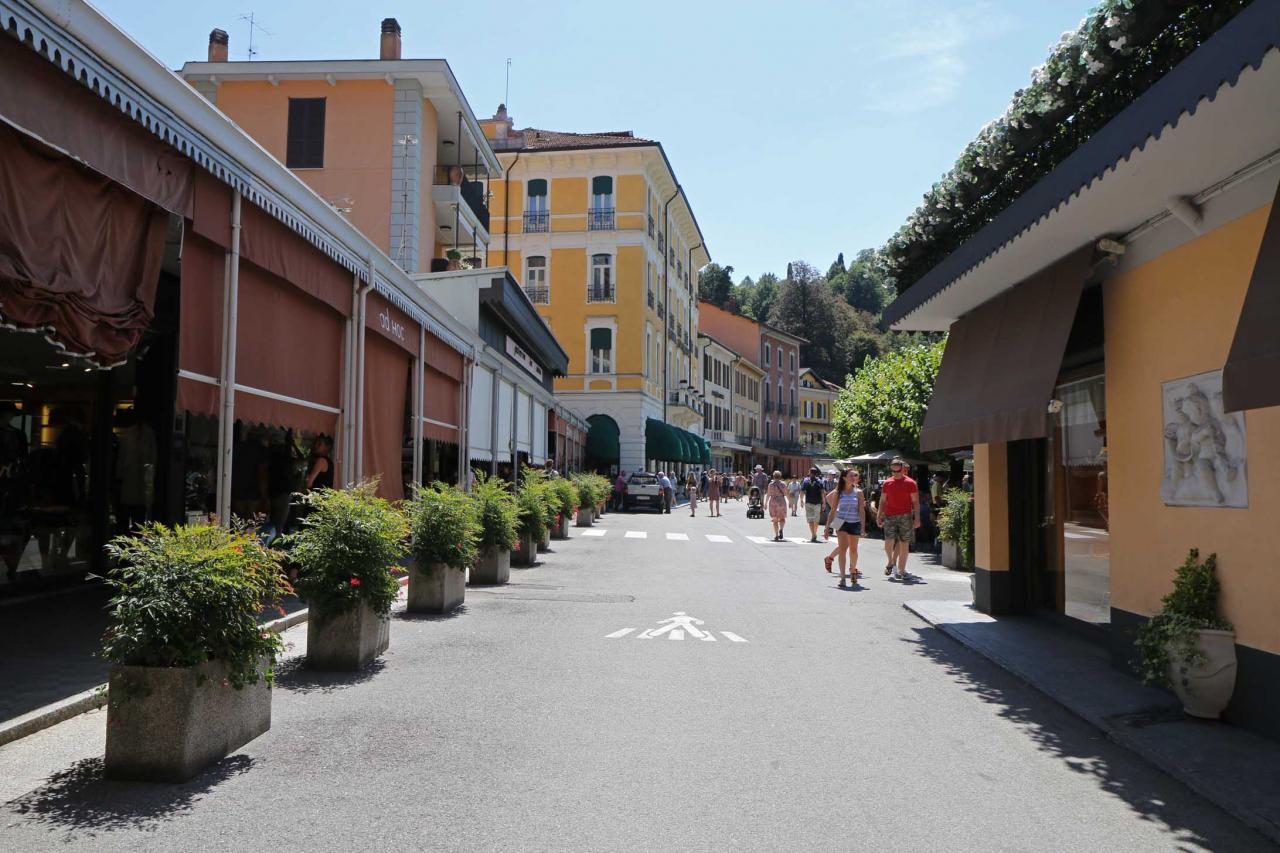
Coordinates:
[643,491]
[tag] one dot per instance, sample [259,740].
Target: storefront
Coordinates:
[1134,288]
[187,327]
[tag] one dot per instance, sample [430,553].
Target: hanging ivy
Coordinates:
[1120,49]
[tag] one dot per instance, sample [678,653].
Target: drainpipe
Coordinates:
[666,298]
[506,210]
[692,331]
[227,385]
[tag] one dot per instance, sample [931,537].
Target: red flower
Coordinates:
[355,581]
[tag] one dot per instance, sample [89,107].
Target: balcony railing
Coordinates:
[650,298]
[783,445]
[600,219]
[536,221]
[472,192]
[684,398]
[795,410]
[662,311]
[601,293]
[747,439]
[650,227]
[539,295]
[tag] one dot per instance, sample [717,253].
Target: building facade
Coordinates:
[1134,288]
[748,386]
[604,241]
[816,399]
[718,381]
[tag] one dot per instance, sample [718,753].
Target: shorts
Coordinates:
[813,513]
[851,528]
[900,527]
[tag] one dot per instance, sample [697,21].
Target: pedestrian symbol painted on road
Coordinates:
[677,627]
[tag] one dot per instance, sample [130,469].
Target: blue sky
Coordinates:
[798,130]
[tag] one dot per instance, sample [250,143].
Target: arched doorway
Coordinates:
[602,444]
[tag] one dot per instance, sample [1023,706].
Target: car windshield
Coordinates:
[643,480]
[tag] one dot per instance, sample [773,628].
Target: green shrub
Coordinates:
[586,496]
[536,483]
[1171,634]
[187,595]
[349,549]
[444,528]
[955,519]
[566,493]
[496,511]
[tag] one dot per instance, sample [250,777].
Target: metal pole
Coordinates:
[359,454]
[227,383]
[417,385]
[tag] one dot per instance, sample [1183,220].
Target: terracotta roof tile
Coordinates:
[538,138]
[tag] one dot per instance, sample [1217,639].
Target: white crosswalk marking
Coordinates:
[678,537]
[635,534]
[759,540]
[618,634]
[732,637]
[716,537]
[593,532]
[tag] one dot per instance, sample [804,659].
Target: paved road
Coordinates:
[816,719]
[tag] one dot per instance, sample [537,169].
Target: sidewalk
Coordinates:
[1237,771]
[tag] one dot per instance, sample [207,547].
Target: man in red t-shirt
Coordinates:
[899,515]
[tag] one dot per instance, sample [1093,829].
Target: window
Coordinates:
[600,287]
[648,349]
[808,409]
[602,351]
[661,245]
[535,279]
[648,283]
[536,216]
[600,216]
[779,361]
[793,362]
[793,432]
[768,354]
[304,145]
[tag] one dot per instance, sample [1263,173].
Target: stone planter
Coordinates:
[561,528]
[1209,685]
[584,517]
[492,566]
[441,589]
[527,554]
[166,724]
[544,544]
[346,641]
[950,554]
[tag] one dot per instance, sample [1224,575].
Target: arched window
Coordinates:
[535,280]
[601,350]
[600,286]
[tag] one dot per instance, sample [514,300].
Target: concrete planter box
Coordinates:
[167,724]
[950,554]
[561,528]
[528,553]
[492,566]
[544,544]
[1210,684]
[441,589]
[584,517]
[346,641]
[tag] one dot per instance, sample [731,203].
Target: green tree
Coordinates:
[762,295]
[715,284]
[864,287]
[837,267]
[882,405]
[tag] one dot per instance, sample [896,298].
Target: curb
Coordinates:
[1212,794]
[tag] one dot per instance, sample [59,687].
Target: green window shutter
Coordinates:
[602,185]
[538,186]
[601,339]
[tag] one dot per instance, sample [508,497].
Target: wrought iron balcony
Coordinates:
[600,219]
[536,221]
[747,439]
[662,311]
[601,293]
[783,445]
[539,295]
[650,298]
[650,227]
[795,410]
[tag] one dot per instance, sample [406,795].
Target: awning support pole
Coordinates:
[227,382]
[419,365]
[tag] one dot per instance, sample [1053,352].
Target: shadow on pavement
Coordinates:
[1084,751]
[408,616]
[81,801]
[294,676]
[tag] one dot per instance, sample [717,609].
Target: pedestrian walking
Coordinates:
[813,489]
[899,515]
[848,514]
[793,494]
[691,486]
[760,479]
[777,495]
[620,492]
[713,494]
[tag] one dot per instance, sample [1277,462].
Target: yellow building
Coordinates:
[604,240]
[816,398]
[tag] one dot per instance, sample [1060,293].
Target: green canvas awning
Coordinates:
[686,445]
[706,452]
[661,442]
[602,438]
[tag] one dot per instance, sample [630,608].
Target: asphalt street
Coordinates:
[567,711]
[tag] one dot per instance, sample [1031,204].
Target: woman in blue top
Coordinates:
[847,514]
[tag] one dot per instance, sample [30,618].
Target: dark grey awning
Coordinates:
[1002,360]
[1249,379]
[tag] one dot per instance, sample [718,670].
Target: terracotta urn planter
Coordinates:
[1209,685]
[346,641]
[438,589]
[493,566]
[166,724]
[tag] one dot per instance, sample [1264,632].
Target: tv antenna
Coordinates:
[506,95]
[254,27]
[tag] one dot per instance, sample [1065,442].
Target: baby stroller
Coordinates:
[755,503]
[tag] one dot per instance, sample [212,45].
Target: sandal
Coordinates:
[826,561]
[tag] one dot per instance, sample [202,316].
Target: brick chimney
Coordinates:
[218,46]
[502,123]
[390,45]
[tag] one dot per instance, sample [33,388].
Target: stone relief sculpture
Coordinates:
[1204,447]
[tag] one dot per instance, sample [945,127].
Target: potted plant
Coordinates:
[586,502]
[955,528]
[444,534]
[566,504]
[192,668]
[531,525]
[535,479]
[455,260]
[348,554]
[1187,646]
[497,515]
